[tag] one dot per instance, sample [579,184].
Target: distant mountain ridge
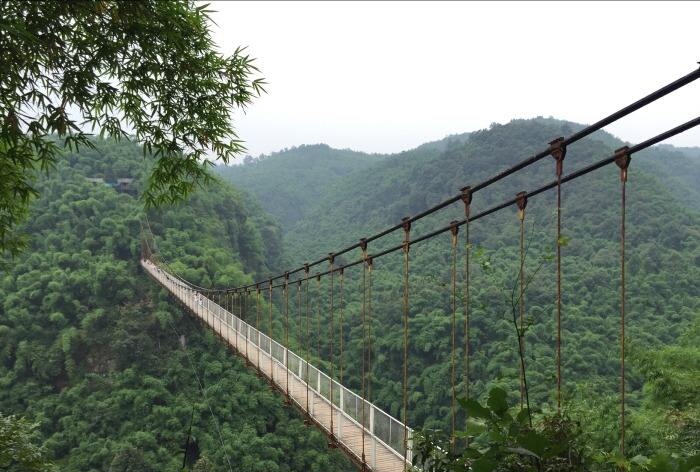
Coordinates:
[287,182]
[663,251]
[291,182]
[310,180]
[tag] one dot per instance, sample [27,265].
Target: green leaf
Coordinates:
[522,451]
[484,464]
[619,460]
[691,464]
[563,241]
[474,427]
[474,409]
[498,401]
[523,416]
[471,453]
[533,441]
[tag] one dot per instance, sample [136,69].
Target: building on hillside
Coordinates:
[121,185]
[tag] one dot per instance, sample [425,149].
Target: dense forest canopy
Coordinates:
[109,368]
[663,267]
[101,371]
[106,364]
[288,182]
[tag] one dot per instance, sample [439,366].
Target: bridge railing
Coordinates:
[378,424]
[345,405]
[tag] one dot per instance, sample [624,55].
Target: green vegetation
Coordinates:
[92,350]
[663,295]
[17,449]
[502,440]
[147,69]
[289,182]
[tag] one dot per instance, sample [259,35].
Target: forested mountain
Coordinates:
[289,182]
[663,256]
[114,373]
[294,182]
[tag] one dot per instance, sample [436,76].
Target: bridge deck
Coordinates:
[383,435]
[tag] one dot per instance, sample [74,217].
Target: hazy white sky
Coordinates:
[388,76]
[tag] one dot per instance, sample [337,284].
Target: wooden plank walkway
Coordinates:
[382,452]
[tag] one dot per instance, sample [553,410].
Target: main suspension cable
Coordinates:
[512,201]
[663,91]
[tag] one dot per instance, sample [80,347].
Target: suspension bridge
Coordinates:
[371,437]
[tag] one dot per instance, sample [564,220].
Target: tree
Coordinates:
[17,448]
[129,459]
[147,70]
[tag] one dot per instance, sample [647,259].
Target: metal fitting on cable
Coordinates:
[454,229]
[466,199]
[557,150]
[306,268]
[406,225]
[623,159]
[331,258]
[521,201]
[363,248]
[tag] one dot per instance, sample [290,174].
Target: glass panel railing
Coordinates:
[304,371]
[278,352]
[313,377]
[350,404]
[325,386]
[265,343]
[336,393]
[382,426]
[396,439]
[293,362]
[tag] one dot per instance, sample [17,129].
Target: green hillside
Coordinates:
[92,351]
[663,257]
[289,182]
[106,364]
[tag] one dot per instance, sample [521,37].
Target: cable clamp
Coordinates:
[363,248]
[454,229]
[623,159]
[557,150]
[466,199]
[521,201]
[406,225]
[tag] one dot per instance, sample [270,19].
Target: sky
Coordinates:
[388,76]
